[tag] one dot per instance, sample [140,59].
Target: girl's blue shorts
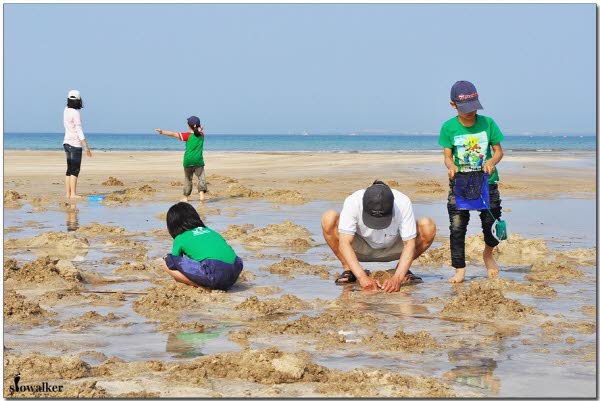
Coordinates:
[207,273]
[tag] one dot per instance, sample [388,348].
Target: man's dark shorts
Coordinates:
[366,253]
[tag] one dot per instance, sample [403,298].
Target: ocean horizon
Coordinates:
[314,143]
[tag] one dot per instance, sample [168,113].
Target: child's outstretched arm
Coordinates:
[488,167]
[167,133]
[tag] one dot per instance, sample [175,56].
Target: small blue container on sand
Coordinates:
[96,198]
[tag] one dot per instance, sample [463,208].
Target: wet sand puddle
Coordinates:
[538,340]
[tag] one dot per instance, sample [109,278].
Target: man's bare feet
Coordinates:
[459,276]
[490,262]
[75,197]
[184,199]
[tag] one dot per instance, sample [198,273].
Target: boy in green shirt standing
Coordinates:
[471,142]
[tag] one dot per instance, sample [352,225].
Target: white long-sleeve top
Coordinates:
[73,132]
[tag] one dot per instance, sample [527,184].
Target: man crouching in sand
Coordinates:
[377,225]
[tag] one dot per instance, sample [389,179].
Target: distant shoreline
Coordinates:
[308,152]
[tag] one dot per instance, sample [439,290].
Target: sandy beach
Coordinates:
[88,307]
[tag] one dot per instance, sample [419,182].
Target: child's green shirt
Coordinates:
[203,243]
[471,146]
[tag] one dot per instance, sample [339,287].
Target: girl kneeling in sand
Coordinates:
[200,257]
[193,159]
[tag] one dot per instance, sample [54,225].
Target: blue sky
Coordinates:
[289,68]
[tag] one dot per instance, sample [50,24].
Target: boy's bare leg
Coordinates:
[180,278]
[459,276]
[490,262]
[184,199]
[201,196]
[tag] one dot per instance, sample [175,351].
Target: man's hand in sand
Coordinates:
[369,284]
[392,284]
[452,171]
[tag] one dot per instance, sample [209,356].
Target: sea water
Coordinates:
[350,143]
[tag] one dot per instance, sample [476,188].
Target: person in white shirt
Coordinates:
[73,142]
[377,224]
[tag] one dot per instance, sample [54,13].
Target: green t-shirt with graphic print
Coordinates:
[203,243]
[471,146]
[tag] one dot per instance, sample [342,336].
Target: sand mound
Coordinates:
[504,285]
[87,389]
[125,243]
[291,267]
[11,199]
[271,366]
[285,235]
[287,303]
[418,342]
[267,290]
[57,244]
[62,297]
[220,178]
[325,326]
[284,196]
[381,383]
[382,275]
[139,394]
[95,229]
[50,272]
[113,182]
[177,326]
[580,256]
[267,366]
[128,195]
[589,311]
[236,232]
[480,302]
[553,329]
[42,367]
[514,251]
[236,190]
[176,183]
[553,271]
[19,310]
[140,268]
[164,302]
[87,320]
[246,276]
[10,267]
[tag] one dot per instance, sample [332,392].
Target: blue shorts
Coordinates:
[207,273]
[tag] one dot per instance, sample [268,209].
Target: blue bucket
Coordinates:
[96,198]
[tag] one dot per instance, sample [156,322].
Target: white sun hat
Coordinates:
[74,94]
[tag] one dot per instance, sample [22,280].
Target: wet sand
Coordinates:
[87,306]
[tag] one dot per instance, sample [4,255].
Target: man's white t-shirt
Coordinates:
[403,221]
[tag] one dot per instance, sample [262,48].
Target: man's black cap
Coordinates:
[378,206]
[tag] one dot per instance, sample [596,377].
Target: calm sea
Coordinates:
[292,143]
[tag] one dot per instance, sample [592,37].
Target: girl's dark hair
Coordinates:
[182,217]
[195,129]
[74,103]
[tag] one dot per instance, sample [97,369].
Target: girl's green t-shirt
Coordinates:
[203,243]
[194,147]
[471,146]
